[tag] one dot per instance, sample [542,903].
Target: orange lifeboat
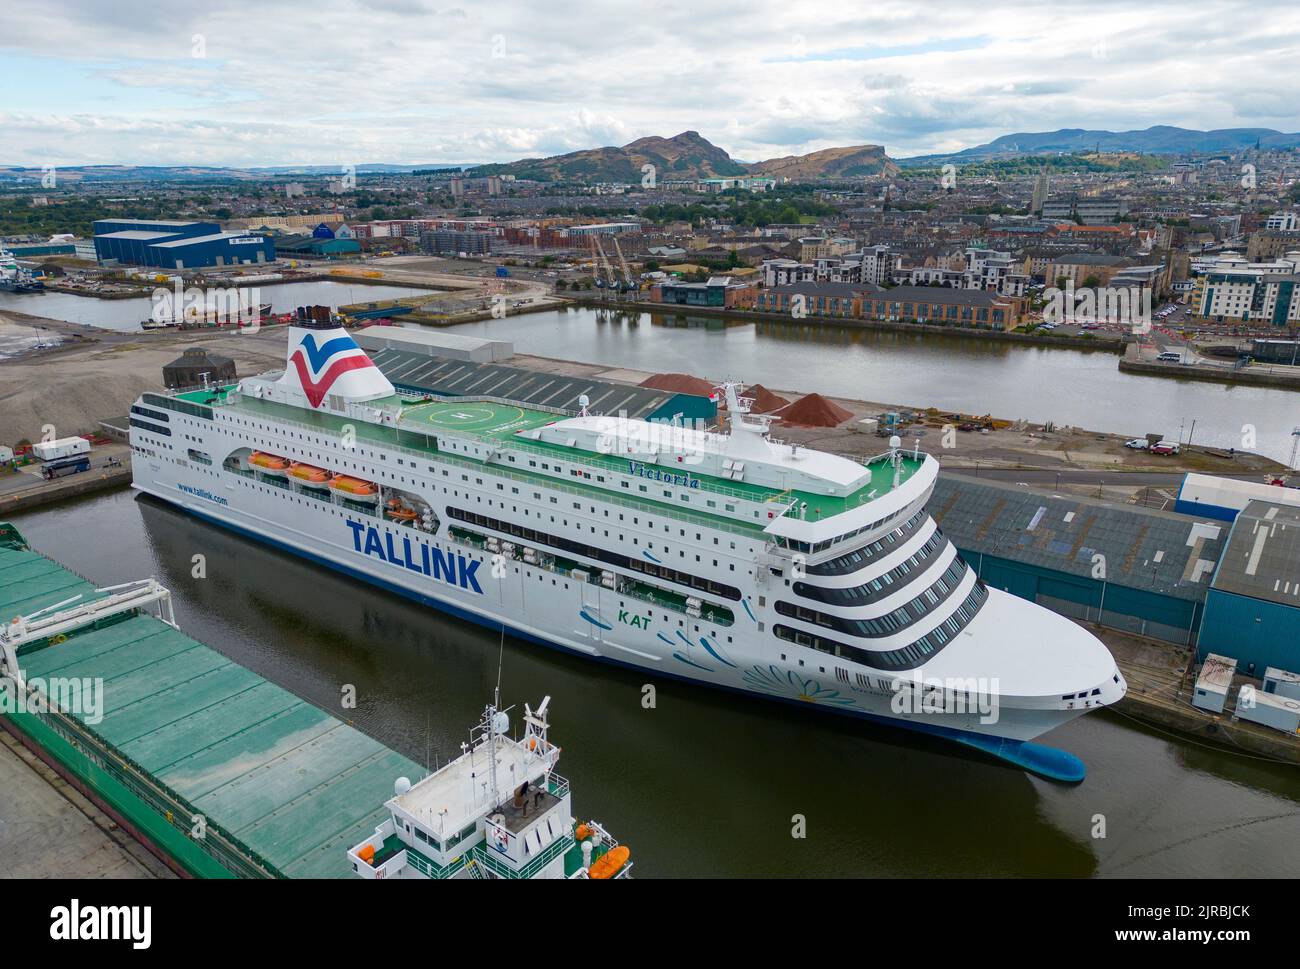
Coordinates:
[355,489]
[610,863]
[399,511]
[309,474]
[269,463]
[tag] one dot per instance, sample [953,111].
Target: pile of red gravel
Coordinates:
[814,411]
[765,402]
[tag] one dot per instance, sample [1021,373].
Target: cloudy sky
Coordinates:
[240,82]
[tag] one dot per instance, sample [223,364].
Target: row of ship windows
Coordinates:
[532,464]
[594,552]
[889,623]
[814,548]
[537,496]
[904,658]
[446,473]
[859,557]
[681,553]
[879,587]
[150,428]
[721,615]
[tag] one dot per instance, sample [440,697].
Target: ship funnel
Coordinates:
[324,360]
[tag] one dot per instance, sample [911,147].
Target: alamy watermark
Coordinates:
[1128,306]
[946,696]
[82,697]
[196,305]
[654,438]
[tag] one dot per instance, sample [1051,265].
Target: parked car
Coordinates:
[1166,447]
[1137,444]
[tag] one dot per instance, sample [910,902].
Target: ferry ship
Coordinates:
[497,811]
[723,557]
[14,278]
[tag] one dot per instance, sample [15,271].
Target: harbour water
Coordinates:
[125,314]
[704,783]
[1084,388]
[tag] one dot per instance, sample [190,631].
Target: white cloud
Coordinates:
[413,81]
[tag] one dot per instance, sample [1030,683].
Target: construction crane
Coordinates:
[608,281]
[628,285]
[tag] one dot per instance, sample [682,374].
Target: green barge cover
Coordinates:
[281,787]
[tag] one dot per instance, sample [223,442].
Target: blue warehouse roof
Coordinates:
[1156,551]
[1262,558]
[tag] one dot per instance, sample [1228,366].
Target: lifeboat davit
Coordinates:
[355,489]
[309,474]
[271,464]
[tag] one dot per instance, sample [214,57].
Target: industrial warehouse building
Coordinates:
[167,244]
[305,245]
[1135,569]
[1252,612]
[434,343]
[1229,589]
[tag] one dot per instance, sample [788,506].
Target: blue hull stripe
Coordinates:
[714,653]
[593,620]
[679,656]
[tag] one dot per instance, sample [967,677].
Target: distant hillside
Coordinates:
[689,155]
[683,156]
[1157,140]
[851,162]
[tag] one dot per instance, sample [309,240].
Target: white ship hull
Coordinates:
[821,581]
[535,604]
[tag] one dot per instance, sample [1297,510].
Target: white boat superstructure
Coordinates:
[497,811]
[722,557]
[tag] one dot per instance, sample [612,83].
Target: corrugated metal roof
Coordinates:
[1142,548]
[292,783]
[458,378]
[1262,559]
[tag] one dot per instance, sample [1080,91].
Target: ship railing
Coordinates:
[649,507]
[747,529]
[505,402]
[610,843]
[522,444]
[557,785]
[173,811]
[490,861]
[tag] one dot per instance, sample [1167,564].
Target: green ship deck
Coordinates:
[284,788]
[500,423]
